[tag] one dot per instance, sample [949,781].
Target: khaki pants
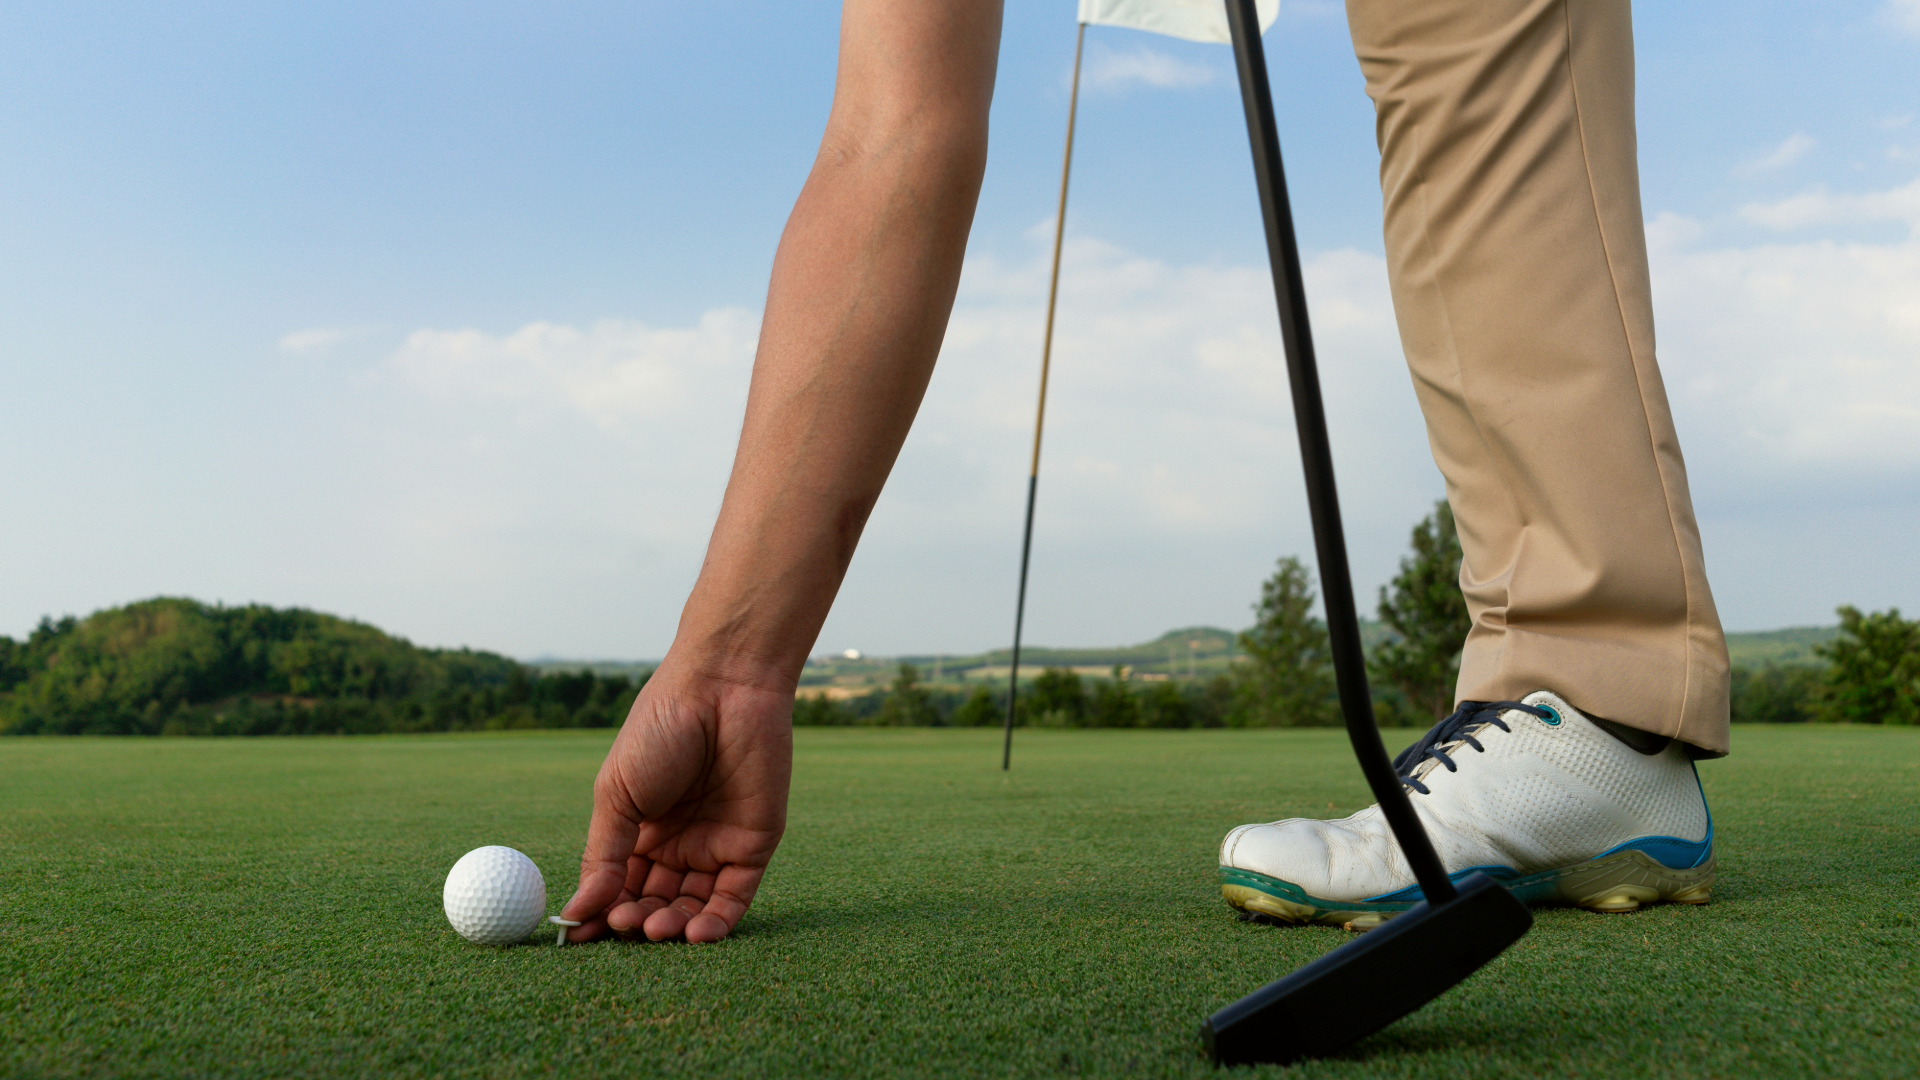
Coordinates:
[1519,271]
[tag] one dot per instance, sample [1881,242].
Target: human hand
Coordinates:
[687,810]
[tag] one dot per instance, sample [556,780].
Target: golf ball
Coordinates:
[495,896]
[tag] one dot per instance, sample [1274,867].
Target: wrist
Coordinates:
[753,630]
[736,653]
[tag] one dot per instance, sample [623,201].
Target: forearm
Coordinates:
[862,286]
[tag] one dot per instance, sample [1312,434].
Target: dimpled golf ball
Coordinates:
[495,896]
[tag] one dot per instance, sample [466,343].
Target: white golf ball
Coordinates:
[495,896]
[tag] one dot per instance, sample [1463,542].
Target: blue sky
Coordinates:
[439,315]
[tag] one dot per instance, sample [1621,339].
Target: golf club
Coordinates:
[1362,986]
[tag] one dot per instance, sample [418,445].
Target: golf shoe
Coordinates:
[1531,793]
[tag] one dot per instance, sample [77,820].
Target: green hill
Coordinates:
[1793,645]
[172,665]
[1168,652]
[177,666]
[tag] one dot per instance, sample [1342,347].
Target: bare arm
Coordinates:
[691,801]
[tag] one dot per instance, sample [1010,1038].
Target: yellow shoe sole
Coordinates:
[1621,882]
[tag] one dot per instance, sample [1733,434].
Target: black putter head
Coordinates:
[1368,983]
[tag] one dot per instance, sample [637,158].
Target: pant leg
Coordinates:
[1518,262]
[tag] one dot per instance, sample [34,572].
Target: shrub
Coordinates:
[982,708]
[1874,674]
[1776,694]
[1057,698]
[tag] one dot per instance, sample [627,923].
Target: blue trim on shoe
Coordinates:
[1669,851]
[1505,875]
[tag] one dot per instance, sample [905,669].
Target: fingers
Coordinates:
[684,822]
[586,931]
[696,905]
[613,918]
[709,905]
[609,860]
[629,917]
[680,897]
[733,890]
[700,907]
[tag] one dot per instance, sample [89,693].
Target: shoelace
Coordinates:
[1470,714]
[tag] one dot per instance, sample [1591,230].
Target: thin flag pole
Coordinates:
[1040,413]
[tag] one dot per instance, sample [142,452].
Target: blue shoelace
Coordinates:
[1470,714]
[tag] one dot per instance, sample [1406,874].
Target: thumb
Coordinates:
[609,854]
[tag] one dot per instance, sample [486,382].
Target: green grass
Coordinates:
[271,907]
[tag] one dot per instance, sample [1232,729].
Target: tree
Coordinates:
[1874,677]
[177,666]
[1775,693]
[983,708]
[1212,702]
[1057,699]
[1113,703]
[820,710]
[1288,680]
[907,703]
[14,668]
[1162,705]
[1425,610]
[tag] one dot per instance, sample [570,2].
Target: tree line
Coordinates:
[1869,674]
[175,666]
[1057,697]
[1285,678]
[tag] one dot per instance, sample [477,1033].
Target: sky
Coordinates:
[440,316]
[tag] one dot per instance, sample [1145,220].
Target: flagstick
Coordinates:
[1040,414]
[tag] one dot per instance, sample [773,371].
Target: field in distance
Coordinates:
[1193,652]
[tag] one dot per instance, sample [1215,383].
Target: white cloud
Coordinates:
[1170,389]
[591,459]
[1820,207]
[313,340]
[1170,472]
[1904,14]
[1791,149]
[552,484]
[1795,358]
[1108,69]
[576,470]
[613,372]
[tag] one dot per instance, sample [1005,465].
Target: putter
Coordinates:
[1362,986]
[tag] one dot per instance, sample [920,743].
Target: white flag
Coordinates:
[1195,20]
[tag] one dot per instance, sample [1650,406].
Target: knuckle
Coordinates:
[607,789]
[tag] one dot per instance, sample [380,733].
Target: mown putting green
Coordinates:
[175,907]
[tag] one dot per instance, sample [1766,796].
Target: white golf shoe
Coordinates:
[1532,794]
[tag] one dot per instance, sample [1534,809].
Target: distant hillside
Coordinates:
[1212,650]
[172,665]
[1171,648]
[177,666]
[1793,645]
[631,669]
